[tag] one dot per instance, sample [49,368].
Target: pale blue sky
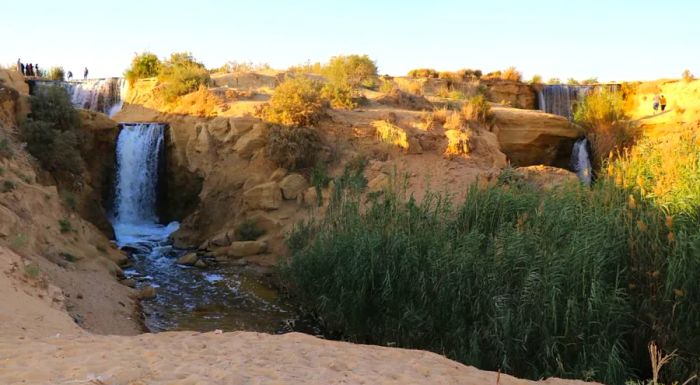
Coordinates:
[613,40]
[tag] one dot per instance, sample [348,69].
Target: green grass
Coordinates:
[572,283]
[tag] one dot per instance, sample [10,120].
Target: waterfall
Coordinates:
[581,161]
[102,95]
[138,150]
[561,99]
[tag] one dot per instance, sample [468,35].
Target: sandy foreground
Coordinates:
[40,344]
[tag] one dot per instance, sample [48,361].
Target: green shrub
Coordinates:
[70,199]
[52,131]
[601,114]
[350,70]
[293,147]
[536,79]
[57,73]
[144,65]
[572,82]
[571,282]
[8,186]
[423,73]
[296,102]
[477,109]
[180,75]
[387,86]
[65,225]
[248,231]
[32,271]
[6,150]
[69,257]
[339,96]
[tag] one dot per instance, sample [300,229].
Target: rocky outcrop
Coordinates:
[292,185]
[511,93]
[266,196]
[546,177]
[251,142]
[531,137]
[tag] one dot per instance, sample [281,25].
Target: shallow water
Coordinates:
[221,297]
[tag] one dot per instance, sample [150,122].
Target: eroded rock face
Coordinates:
[266,196]
[292,185]
[515,94]
[242,249]
[251,142]
[530,137]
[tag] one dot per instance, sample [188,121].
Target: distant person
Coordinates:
[36,69]
[23,71]
[657,101]
[19,66]
[70,75]
[85,74]
[30,70]
[663,103]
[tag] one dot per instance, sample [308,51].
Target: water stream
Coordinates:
[102,95]
[581,161]
[225,297]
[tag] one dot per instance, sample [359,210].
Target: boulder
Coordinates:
[292,185]
[129,282]
[242,249]
[222,239]
[266,196]
[251,142]
[188,259]
[546,177]
[531,137]
[147,292]
[265,221]
[200,264]
[278,174]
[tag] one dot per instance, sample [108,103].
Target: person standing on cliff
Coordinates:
[36,70]
[70,75]
[19,66]
[85,74]
[663,103]
[30,71]
[23,71]
[657,101]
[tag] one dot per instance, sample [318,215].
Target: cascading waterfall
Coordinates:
[560,99]
[218,297]
[138,150]
[102,95]
[581,161]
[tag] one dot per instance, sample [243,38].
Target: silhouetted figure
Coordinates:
[23,71]
[656,103]
[85,74]
[36,70]
[70,75]
[30,70]
[19,66]
[663,103]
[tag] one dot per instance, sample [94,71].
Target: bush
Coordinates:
[536,79]
[296,102]
[350,70]
[687,76]
[307,68]
[293,148]
[423,73]
[339,96]
[65,225]
[590,81]
[554,81]
[52,131]
[180,75]
[57,73]
[387,86]
[510,73]
[601,113]
[144,65]
[477,109]
[7,186]
[6,150]
[248,231]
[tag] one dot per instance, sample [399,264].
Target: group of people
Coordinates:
[30,69]
[659,101]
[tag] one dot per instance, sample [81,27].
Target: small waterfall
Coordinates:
[581,161]
[138,151]
[561,99]
[102,95]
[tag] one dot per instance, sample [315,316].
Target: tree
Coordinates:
[351,70]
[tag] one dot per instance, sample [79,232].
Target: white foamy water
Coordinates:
[581,161]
